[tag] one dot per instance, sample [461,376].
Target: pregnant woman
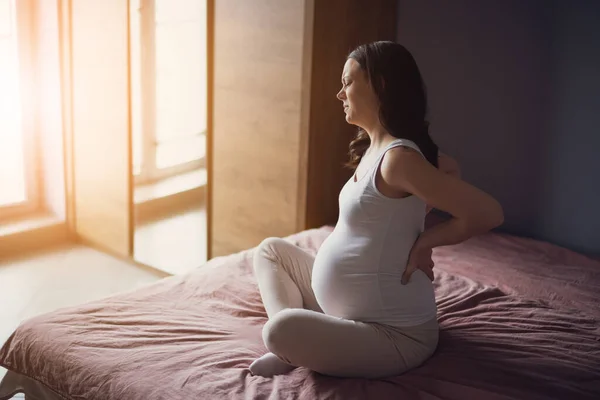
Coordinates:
[365,305]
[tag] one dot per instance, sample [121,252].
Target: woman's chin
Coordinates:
[352,121]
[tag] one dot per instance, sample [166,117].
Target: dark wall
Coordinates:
[513,90]
[572,185]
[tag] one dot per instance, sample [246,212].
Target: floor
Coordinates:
[176,244]
[60,277]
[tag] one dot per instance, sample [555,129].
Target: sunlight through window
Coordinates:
[12,168]
[168,86]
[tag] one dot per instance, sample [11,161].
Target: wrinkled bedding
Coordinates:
[519,320]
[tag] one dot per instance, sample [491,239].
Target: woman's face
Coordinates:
[360,102]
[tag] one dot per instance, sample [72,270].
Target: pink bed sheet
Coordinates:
[519,320]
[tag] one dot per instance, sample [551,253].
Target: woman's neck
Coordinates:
[379,137]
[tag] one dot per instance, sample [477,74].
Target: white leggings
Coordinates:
[299,333]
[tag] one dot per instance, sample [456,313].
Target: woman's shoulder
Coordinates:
[403,144]
[404,154]
[400,153]
[399,162]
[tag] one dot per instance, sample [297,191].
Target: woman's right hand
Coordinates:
[419,258]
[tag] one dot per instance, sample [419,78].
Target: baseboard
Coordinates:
[91,244]
[170,196]
[32,234]
[162,207]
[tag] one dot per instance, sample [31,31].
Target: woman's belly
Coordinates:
[343,285]
[349,283]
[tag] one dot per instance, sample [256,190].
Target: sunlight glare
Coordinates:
[12,177]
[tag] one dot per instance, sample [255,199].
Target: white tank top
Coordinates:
[358,269]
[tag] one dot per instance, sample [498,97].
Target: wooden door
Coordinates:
[95,56]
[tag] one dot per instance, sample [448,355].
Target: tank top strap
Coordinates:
[401,142]
[395,143]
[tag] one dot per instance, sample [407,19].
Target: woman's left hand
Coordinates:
[419,258]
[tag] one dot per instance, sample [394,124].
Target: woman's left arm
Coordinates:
[473,211]
[448,166]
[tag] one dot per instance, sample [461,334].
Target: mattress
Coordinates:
[519,319]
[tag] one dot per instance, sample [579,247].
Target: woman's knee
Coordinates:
[270,249]
[280,332]
[267,249]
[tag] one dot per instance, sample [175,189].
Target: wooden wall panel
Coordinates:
[258,47]
[339,26]
[277,134]
[100,137]
[210,68]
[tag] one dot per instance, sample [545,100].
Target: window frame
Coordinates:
[26,50]
[149,172]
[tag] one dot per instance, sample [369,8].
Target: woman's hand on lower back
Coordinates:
[419,258]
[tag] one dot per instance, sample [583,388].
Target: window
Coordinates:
[168,87]
[18,183]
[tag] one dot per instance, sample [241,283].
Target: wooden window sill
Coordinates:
[31,233]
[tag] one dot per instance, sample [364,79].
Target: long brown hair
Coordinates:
[399,87]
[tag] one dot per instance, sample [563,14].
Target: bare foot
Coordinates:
[269,365]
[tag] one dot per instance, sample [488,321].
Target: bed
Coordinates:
[519,319]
